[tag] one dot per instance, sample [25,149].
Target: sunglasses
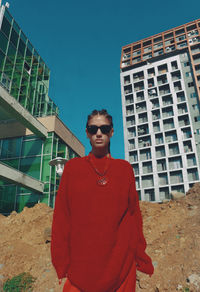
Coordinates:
[105,129]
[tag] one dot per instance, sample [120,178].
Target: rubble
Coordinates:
[171,228]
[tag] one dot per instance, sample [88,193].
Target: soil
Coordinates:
[172,231]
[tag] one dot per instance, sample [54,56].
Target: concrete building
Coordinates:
[160,89]
[31,133]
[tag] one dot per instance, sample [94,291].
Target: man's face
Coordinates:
[99,140]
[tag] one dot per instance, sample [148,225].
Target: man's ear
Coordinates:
[112,132]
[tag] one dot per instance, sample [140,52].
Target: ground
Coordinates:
[171,230]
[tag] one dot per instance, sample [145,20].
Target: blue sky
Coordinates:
[81,43]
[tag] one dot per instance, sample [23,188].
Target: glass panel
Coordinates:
[47,146]
[8,68]
[21,47]
[12,162]
[55,147]
[11,148]
[31,147]
[46,168]
[31,166]
[14,37]
[6,27]
[2,57]
[3,42]
[61,149]
[7,198]
[11,52]
[44,199]
[16,27]
[26,200]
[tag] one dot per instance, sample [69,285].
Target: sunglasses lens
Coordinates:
[92,129]
[105,129]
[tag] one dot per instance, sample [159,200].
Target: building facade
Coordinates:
[160,89]
[31,133]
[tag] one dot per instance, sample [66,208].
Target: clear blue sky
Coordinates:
[81,43]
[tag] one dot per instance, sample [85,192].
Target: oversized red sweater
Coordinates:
[97,230]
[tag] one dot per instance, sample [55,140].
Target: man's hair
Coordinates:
[102,112]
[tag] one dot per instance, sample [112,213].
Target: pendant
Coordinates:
[102,181]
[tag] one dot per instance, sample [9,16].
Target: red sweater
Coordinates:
[97,230]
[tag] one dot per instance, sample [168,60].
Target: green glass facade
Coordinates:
[31,155]
[23,73]
[25,77]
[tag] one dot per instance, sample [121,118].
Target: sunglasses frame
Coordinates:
[103,128]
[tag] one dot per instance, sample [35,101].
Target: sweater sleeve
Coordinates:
[60,230]
[143,261]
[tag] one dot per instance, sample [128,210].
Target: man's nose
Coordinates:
[99,132]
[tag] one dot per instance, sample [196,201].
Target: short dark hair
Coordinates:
[102,112]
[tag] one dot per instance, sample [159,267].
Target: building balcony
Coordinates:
[138,76]
[191,160]
[133,156]
[163,179]
[147,167]
[187,146]
[161,165]
[143,130]
[152,92]
[145,154]
[129,100]
[176,177]
[147,181]
[130,121]
[193,174]
[183,120]
[168,124]
[141,107]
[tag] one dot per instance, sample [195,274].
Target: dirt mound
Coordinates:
[171,229]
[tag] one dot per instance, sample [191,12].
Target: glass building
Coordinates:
[160,88]
[31,133]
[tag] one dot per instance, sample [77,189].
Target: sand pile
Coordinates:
[172,230]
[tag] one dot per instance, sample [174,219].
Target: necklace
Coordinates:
[102,179]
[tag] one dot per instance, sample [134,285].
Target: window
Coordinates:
[176,177]
[10,148]
[188,74]
[162,69]
[195,106]
[126,79]
[190,84]
[163,179]
[161,165]
[193,174]
[31,166]
[197,119]
[173,149]
[193,94]
[186,64]
[174,65]
[147,167]
[136,169]
[31,147]
[160,151]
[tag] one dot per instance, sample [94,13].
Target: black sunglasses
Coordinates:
[105,129]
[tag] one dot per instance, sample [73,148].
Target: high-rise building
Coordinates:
[160,88]
[31,133]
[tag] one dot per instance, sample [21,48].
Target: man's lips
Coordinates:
[98,140]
